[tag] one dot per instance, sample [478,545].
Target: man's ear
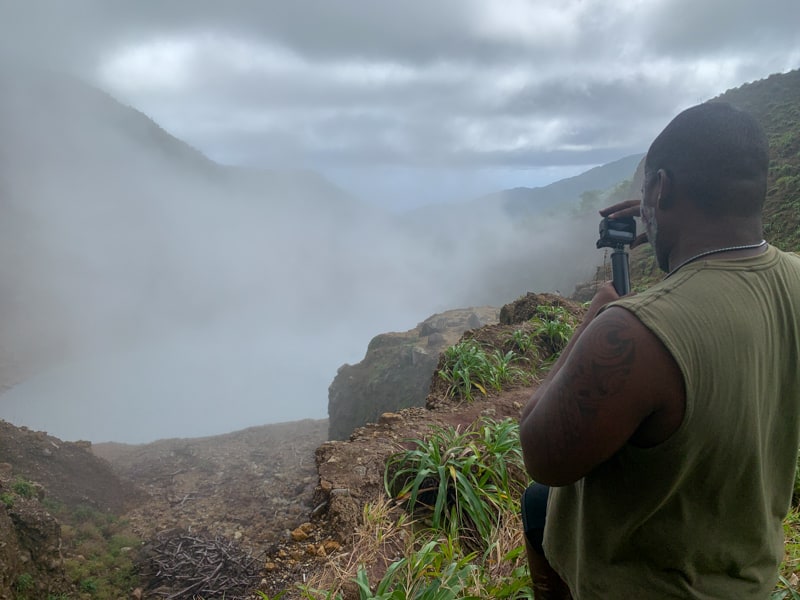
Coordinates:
[664,191]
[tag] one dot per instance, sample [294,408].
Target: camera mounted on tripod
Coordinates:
[616,234]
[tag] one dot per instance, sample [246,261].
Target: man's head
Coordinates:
[711,161]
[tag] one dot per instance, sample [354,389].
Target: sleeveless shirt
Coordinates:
[699,515]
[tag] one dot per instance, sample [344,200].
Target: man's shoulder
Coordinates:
[793,257]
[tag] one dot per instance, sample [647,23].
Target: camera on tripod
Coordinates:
[616,234]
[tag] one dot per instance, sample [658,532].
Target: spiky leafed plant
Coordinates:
[460,480]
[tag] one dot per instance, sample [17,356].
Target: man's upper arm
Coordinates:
[616,376]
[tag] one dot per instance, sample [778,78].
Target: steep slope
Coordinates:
[775,102]
[41,474]
[104,213]
[121,245]
[69,471]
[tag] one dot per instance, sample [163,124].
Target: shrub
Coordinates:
[467,366]
[24,583]
[23,487]
[523,340]
[460,480]
[554,326]
[435,572]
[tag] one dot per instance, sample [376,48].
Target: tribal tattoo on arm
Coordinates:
[592,406]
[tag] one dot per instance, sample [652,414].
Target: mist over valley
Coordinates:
[150,292]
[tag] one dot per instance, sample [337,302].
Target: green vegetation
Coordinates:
[23,487]
[264,596]
[19,487]
[435,572]
[98,549]
[554,326]
[440,483]
[468,367]
[473,365]
[785,591]
[462,481]
[88,585]
[106,570]
[24,583]
[791,559]
[459,537]
[523,340]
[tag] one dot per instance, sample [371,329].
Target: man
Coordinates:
[669,427]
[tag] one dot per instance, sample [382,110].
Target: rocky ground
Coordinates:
[288,497]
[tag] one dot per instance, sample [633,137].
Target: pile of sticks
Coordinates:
[181,566]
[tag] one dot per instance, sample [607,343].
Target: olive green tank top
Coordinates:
[700,515]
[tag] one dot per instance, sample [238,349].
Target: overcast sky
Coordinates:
[417,101]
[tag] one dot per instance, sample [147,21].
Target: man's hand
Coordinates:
[628,208]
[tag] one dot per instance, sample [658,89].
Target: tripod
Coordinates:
[620,270]
[615,233]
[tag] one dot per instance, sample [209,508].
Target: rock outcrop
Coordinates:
[397,369]
[69,471]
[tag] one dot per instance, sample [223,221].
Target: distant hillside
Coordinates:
[566,192]
[116,238]
[78,168]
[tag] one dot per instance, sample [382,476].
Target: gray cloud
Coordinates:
[453,83]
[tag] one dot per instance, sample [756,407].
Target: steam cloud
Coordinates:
[151,293]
